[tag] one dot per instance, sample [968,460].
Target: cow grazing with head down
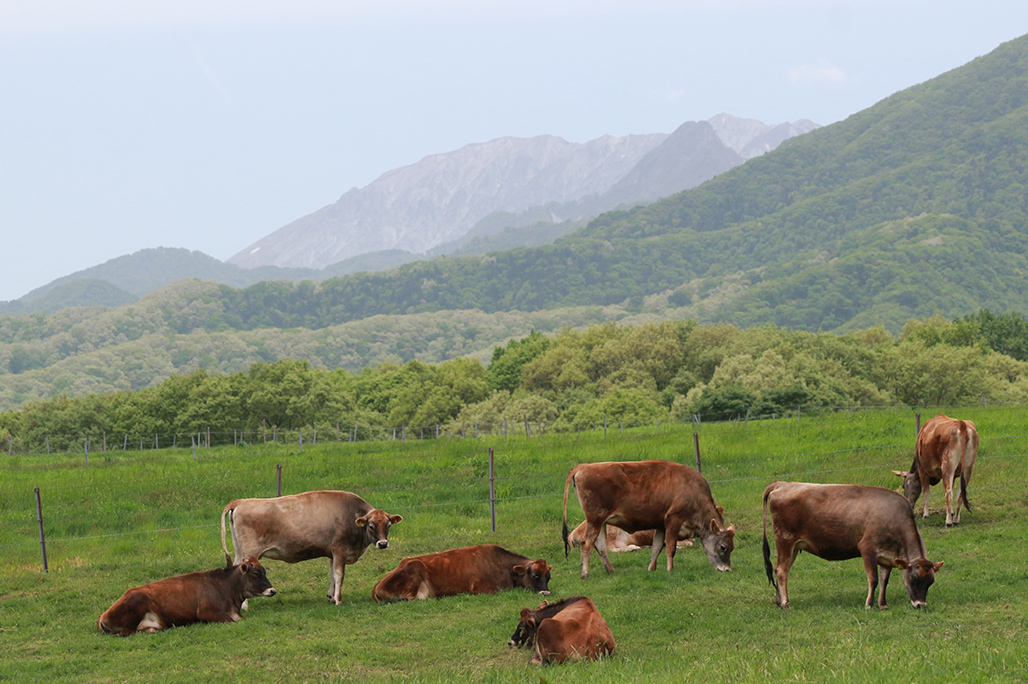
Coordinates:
[484,569]
[946,448]
[211,596]
[571,629]
[840,521]
[618,540]
[670,498]
[320,524]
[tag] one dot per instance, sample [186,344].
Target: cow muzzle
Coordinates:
[270,591]
[918,604]
[382,544]
[544,592]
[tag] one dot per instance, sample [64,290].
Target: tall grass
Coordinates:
[130,518]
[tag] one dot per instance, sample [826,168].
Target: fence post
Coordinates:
[42,537]
[492,490]
[279,480]
[192,439]
[622,428]
[605,426]
[85,445]
[696,446]
[48,445]
[300,433]
[404,434]
[917,430]
[314,439]
[124,447]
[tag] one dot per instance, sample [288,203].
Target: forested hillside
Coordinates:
[607,373]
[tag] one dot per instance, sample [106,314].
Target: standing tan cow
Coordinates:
[946,448]
[842,521]
[320,524]
[210,596]
[572,629]
[670,498]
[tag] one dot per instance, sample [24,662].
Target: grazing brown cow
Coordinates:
[670,498]
[484,569]
[840,521]
[945,449]
[321,524]
[572,629]
[211,596]
[618,540]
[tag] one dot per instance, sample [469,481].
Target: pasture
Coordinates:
[130,518]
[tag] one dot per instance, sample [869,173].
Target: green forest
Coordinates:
[607,374]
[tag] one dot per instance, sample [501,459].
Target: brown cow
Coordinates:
[484,569]
[945,449]
[211,596]
[321,524]
[670,498]
[618,540]
[572,629]
[841,521]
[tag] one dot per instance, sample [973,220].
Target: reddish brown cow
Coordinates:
[211,596]
[946,448]
[484,569]
[618,540]
[572,629]
[670,498]
[840,521]
[321,524]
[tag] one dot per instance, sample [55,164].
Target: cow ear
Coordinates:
[938,566]
[900,563]
[519,569]
[244,567]
[900,473]
[549,567]
[715,526]
[524,613]
[393,519]
[730,530]
[543,605]
[720,510]
[362,521]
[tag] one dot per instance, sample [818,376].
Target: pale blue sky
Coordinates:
[208,124]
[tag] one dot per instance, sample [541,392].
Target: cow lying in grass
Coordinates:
[571,629]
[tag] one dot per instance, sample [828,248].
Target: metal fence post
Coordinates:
[696,446]
[42,537]
[917,430]
[492,490]
[279,480]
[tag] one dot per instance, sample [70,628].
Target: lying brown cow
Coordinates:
[946,449]
[618,540]
[484,569]
[211,596]
[321,524]
[838,522]
[670,498]
[572,629]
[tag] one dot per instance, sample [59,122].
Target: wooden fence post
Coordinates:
[42,537]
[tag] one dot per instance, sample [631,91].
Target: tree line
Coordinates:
[630,374]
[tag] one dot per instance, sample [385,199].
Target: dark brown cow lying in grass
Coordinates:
[670,498]
[618,540]
[571,629]
[841,521]
[484,569]
[946,449]
[210,596]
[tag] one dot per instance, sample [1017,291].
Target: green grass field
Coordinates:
[131,518]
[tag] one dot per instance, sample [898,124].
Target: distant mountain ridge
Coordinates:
[442,197]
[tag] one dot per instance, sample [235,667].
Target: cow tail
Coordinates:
[565,532]
[768,568]
[224,545]
[969,441]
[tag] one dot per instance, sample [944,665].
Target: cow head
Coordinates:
[255,579]
[917,577]
[376,527]
[911,484]
[534,576]
[527,627]
[718,544]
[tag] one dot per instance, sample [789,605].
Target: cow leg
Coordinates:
[947,483]
[671,542]
[925,489]
[871,568]
[335,586]
[601,548]
[883,576]
[658,544]
[588,541]
[786,557]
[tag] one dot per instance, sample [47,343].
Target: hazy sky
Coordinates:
[208,124]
